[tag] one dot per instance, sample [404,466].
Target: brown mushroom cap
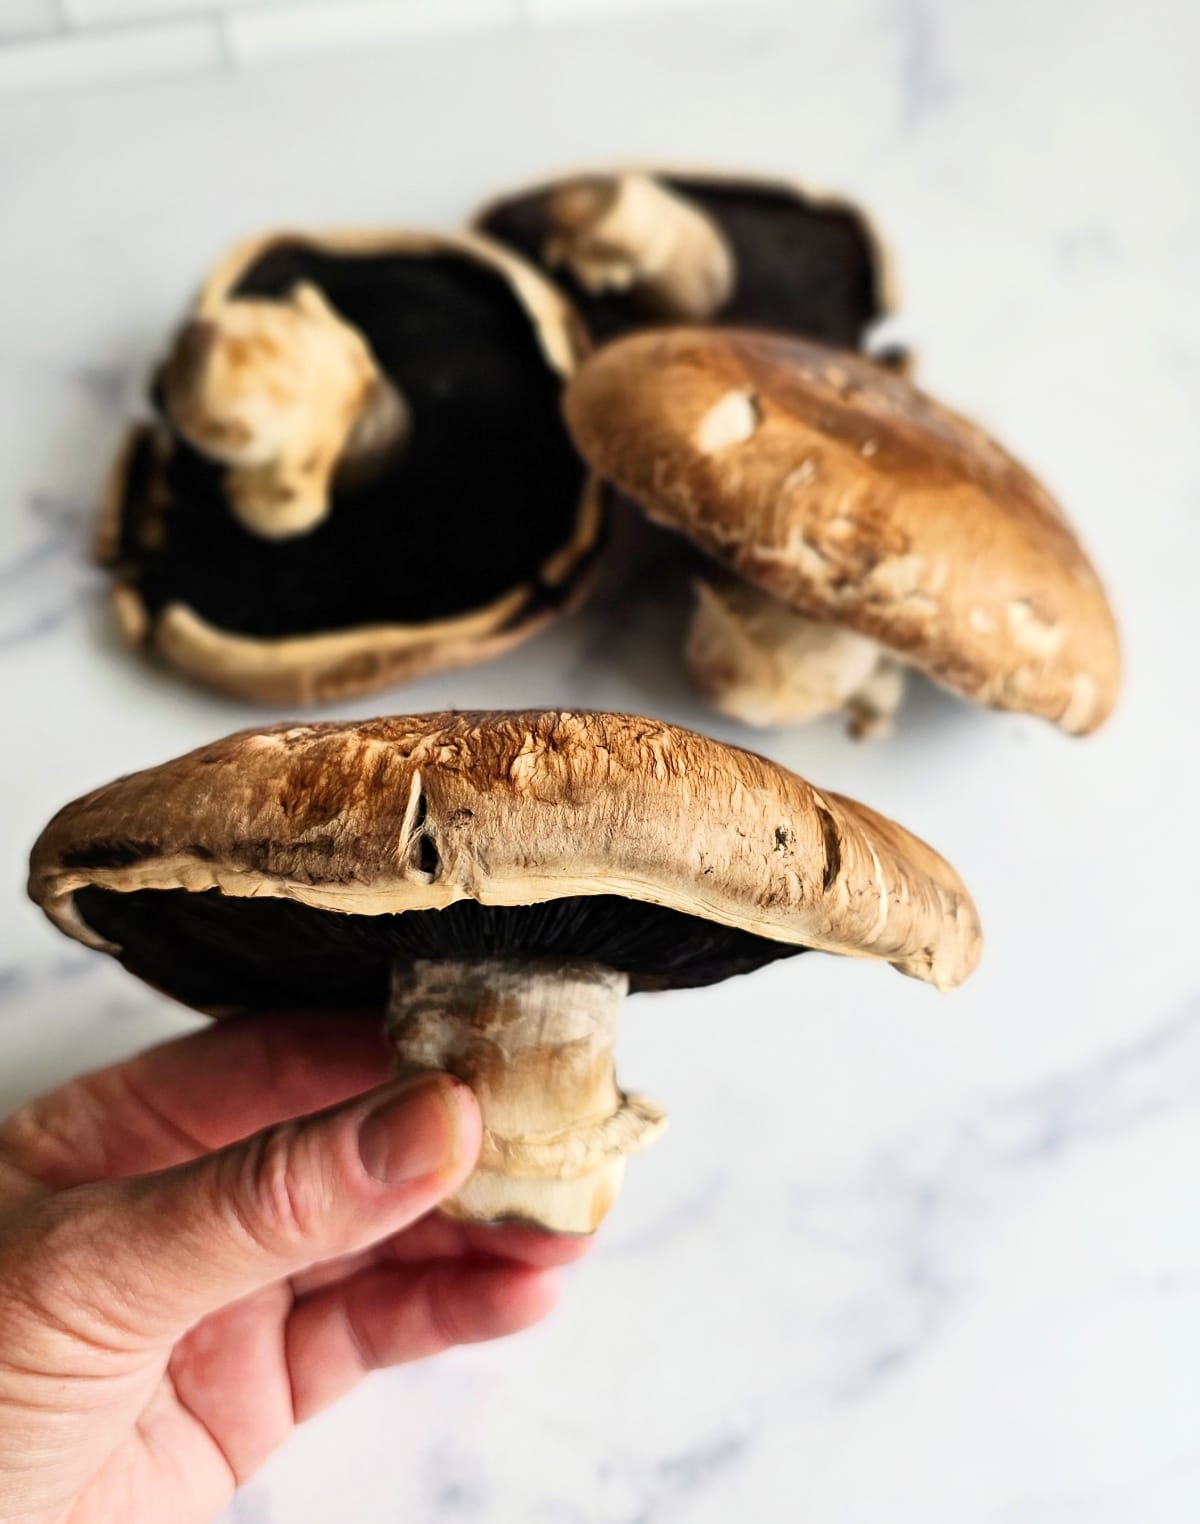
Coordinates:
[852,497]
[299,863]
[481,530]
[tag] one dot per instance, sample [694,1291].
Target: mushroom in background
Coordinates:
[640,247]
[360,473]
[490,887]
[870,528]
[285,393]
[627,233]
[757,661]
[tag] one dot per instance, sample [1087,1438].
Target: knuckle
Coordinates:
[441,1312]
[362,1333]
[282,1197]
[37,1140]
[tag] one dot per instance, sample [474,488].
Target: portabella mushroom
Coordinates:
[635,247]
[359,471]
[857,528]
[492,885]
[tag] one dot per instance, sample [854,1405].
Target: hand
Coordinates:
[172,1300]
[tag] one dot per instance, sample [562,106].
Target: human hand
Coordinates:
[173,1300]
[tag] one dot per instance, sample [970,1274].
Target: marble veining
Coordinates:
[925,85]
[42,585]
[899,1257]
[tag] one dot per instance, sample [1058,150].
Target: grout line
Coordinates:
[229,58]
[195,11]
[523,16]
[267,34]
[109,53]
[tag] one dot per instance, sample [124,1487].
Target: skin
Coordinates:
[206,1245]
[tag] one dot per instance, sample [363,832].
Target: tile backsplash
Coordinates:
[29,18]
[47,42]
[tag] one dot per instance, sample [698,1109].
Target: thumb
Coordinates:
[134,1262]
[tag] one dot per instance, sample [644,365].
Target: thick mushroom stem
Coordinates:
[629,233]
[287,394]
[535,1044]
[760,662]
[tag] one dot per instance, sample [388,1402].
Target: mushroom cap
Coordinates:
[805,261]
[300,862]
[485,528]
[851,496]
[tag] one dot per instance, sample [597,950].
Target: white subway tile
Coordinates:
[88,13]
[28,18]
[116,54]
[568,10]
[300,29]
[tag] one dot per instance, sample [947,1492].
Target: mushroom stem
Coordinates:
[629,233]
[287,394]
[762,663]
[535,1043]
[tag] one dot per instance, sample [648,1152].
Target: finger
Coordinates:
[129,1263]
[227,1371]
[439,1237]
[389,1314]
[183,1098]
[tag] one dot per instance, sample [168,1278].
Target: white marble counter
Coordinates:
[901,1257]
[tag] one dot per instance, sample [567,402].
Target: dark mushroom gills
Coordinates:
[359,473]
[636,247]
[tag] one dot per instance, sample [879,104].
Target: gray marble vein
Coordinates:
[899,1258]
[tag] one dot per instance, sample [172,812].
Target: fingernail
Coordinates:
[413,1131]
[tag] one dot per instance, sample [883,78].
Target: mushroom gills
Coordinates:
[475,503]
[797,263]
[225,952]
[760,662]
[520,1001]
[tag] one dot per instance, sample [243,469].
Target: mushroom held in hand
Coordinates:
[360,472]
[637,247]
[494,884]
[869,526]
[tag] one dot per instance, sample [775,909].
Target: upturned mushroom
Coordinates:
[635,247]
[492,886]
[285,393]
[359,471]
[857,528]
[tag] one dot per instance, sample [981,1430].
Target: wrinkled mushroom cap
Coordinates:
[508,568]
[417,813]
[852,497]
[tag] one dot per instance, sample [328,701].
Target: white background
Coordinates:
[901,1256]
